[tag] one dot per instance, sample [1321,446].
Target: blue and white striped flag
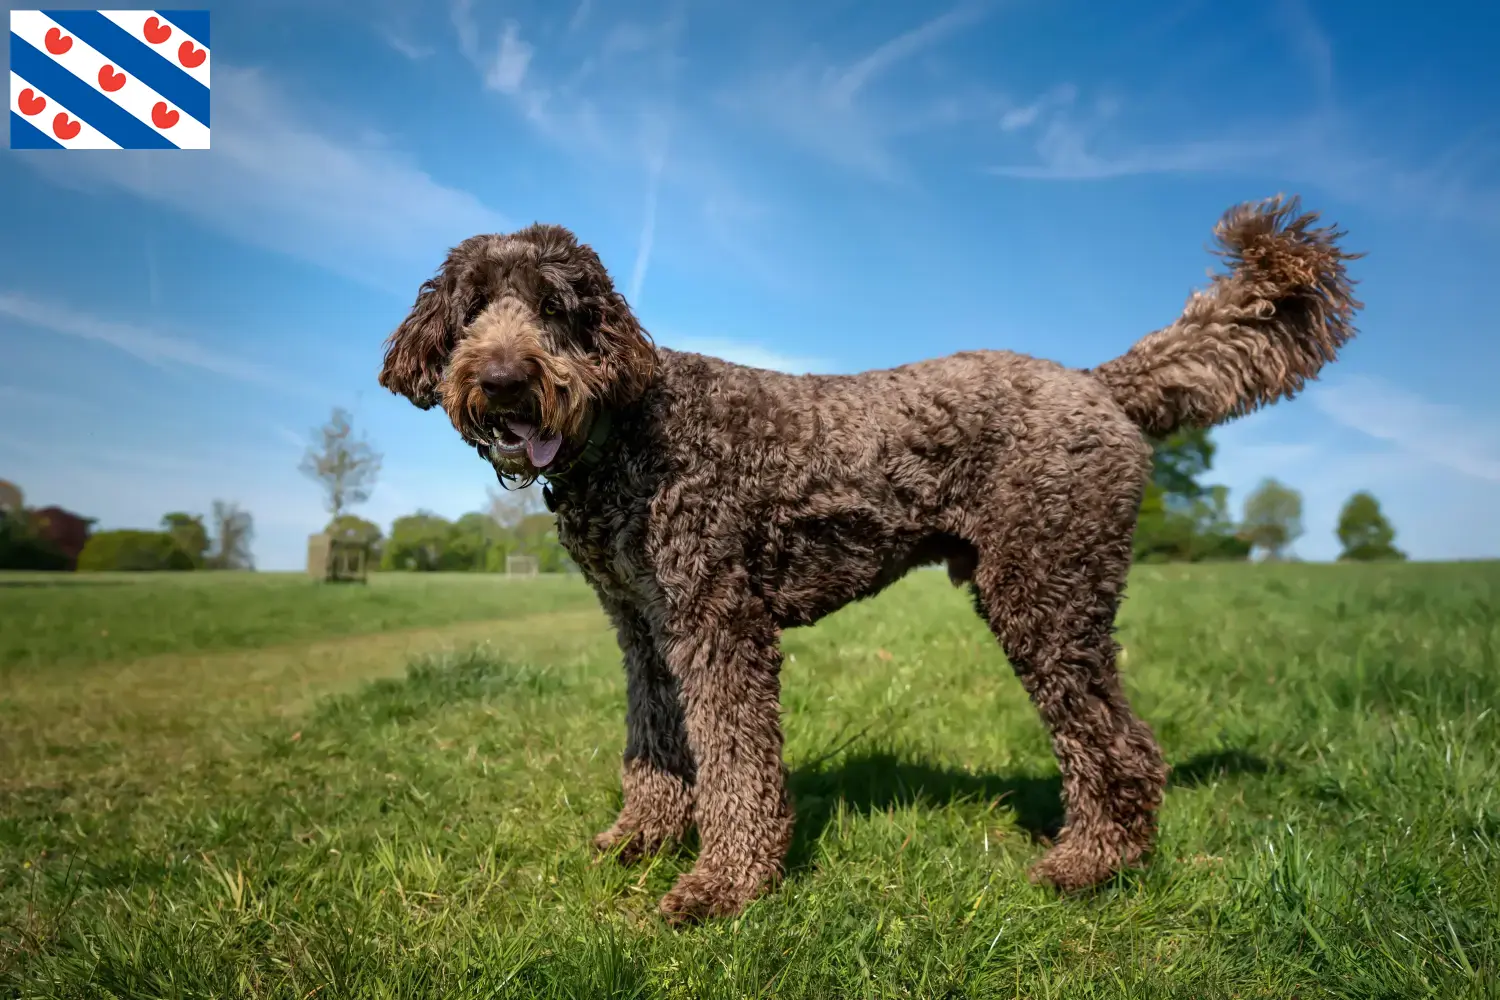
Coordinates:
[109,79]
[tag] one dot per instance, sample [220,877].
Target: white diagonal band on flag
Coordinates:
[165,37]
[131,95]
[52,119]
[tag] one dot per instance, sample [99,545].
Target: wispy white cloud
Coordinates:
[1436,433]
[1324,145]
[1310,44]
[559,110]
[1024,115]
[580,15]
[617,110]
[606,106]
[747,353]
[1319,151]
[281,182]
[1082,143]
[1074,143]
[648,225]
[289,436]
[154,347]
[404,45]
[461,13]
[508,69]
[843,87]
[627,37]
[818,104]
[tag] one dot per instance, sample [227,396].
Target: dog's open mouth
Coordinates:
[514,437]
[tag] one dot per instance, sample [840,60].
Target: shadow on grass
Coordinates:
[875,782]
[1202,768]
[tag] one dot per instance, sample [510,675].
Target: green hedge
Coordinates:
[133,552]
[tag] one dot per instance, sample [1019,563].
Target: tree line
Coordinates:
[51,538]
[477,542]
[346,467]
[183,542]
[1182,519]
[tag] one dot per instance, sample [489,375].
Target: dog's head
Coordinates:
[522,339]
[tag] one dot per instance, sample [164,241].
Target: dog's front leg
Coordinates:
[729,665]
[657,771]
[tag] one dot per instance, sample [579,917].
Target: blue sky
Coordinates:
[856,186]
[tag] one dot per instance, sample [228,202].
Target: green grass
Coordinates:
[1331,829]
[53,618]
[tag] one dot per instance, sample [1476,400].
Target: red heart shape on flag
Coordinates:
[190,57]
[161,117]
[57,42]
[109,79]
[63,128]
[31,102]
[155,31]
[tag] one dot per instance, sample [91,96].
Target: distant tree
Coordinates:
[346,467]
[1273,518]
[351,528]
[508,508]
[1181,519]
[1216,537]
[1179,460]
[478,543]
[536,535]
[233,529]
[417,542]
[1365,533]
[12,501]
[189,533]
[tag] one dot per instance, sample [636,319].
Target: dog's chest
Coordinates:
[606,537]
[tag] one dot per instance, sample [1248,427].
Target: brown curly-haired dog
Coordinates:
[712,505]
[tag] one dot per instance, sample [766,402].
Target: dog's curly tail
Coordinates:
[1256,335]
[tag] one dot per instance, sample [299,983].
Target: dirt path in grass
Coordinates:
[165,711]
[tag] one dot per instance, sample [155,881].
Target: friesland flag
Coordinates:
[109,79]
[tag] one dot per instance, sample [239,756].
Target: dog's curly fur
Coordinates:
[728,503]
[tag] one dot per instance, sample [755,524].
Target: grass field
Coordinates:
[225,787]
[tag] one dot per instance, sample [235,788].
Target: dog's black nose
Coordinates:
[501,379]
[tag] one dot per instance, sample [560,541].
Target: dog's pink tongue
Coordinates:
[540,448]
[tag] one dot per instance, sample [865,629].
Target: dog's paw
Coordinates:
[1075,865]
[699,896]
[626,846]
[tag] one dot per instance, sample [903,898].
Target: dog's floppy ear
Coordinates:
[417,351]
[629,355]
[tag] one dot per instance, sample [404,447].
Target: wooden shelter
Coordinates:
[338,560]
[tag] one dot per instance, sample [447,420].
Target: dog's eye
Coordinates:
[475,308]
[549,307]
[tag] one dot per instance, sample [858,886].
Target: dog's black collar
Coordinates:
[593,449]
[592,454]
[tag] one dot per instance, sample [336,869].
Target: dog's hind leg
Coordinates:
[657,771]
[1049,579]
